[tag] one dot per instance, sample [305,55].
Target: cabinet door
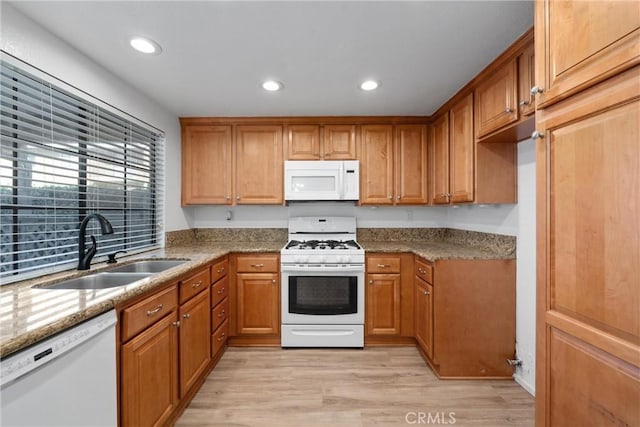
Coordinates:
[303,142]
[526,80]
[339,142]
[149,375]
[206,165]
[411,164]
[195,334]
[588,256]
[259,165]
[382,309]
[440,165]
[497,100]
[258,303]
[376,165]
[424,315]
[581,43]
[461,150]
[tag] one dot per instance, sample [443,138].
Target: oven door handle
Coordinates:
[320,269]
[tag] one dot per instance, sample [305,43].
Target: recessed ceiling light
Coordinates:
[369,85]
[144,45]
[272,85]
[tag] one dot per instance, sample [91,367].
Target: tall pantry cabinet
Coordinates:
[588,184]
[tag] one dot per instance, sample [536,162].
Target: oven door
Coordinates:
[323,295]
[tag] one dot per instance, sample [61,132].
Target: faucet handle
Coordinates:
[112,257]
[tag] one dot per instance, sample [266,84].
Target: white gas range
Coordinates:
[322,284]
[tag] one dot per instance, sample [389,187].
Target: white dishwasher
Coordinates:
[66,380]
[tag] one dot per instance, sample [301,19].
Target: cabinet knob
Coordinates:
[228,197]
[221,314]
[508,110]
[237,197]
[427,293]
[390,197]
[523,103]
[273,281]
[536,90]
[221,337]
[220,291]
[195,285]
[176,324]
[257,265]
[371,282]
[398,197]
[536,135]
[186,316]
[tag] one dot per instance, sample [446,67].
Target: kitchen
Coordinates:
[33,43]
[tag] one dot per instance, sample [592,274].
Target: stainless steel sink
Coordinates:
[148,266]
[98,281]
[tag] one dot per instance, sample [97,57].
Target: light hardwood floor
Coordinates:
[389,386]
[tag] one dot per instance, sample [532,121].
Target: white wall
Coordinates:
[27,41]
[526,266]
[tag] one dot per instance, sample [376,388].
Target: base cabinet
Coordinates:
[255,299]
[149,372]
[195,330]
[465,320]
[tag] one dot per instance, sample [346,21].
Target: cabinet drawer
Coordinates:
[258,264]
[219,270]
[194,284]
[219,291]
[378,264]
[219,314]
[148,311]
[219,338]
[424,271]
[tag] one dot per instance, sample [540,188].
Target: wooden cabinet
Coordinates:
[496,99]
[206,165]
[452,176]
[465,317]
[258,165]
[149,370]
[424,314]
[316,142]
[581,43]
[256,294]
[216,161]
[461,151]
[219,306]
[588,249]
[526,80]
[393,168]
[388,298]
[338,142]
[195,332]
[376,164]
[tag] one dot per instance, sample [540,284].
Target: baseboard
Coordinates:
[525,385]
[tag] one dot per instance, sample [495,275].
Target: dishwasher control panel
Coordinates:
[19,364]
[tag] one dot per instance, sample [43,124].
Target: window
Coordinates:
[65,155]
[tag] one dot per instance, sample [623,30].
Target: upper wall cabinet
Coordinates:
[452,144]
[584,42]
[328,142]
[496,100]
[259,164]
[393,164]
[526,80]
[223,165]
[206,165]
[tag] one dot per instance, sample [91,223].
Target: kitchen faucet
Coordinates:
[84,259]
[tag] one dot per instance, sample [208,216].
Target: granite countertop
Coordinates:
[28,315]
[433,251]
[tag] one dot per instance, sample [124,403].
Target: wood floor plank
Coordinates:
[380,386]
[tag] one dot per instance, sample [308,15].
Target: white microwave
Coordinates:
[321,180]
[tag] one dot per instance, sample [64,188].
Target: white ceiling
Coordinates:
[216,53]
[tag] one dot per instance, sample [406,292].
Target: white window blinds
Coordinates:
[63,157]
